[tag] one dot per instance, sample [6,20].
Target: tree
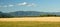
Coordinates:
[5,15]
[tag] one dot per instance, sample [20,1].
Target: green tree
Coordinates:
[4,15]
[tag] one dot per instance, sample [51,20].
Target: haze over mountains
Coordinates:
[29,13]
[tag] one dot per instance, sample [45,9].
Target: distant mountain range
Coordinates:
[25,13]
[30,13]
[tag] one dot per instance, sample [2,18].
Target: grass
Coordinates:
[28,24]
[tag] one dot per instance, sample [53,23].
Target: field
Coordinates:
[30,22]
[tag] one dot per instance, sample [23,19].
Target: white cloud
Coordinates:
[10,5]
[7,6]
[26,4]
[32,5]
[22,4]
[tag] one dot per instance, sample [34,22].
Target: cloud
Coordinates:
[22,4]
[32,4]
[26,4]
[10,5]
[7,6]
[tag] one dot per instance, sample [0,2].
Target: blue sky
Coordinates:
[30,5]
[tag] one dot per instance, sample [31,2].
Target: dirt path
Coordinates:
[52,19]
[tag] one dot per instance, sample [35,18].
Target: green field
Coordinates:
[29,24]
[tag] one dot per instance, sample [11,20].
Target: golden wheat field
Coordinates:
[51,19]
[30,22]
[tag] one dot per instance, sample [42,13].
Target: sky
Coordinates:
[30,5]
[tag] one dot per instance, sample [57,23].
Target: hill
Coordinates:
[25,13]
[29,13]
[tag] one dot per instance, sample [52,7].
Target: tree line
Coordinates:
[4,15]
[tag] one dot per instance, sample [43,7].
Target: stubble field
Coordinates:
[30,22]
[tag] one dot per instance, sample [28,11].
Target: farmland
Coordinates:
[30,22]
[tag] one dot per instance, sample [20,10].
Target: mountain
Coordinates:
[25,13]
[29,13]
[32,13]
